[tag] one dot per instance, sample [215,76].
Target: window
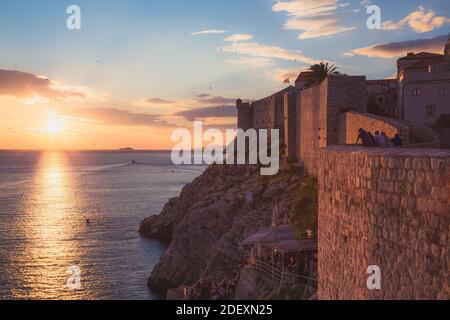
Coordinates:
[442,91]
[380,100]
[431,111]
[416,92]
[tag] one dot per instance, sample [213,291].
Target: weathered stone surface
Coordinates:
[207,223]
[404,229]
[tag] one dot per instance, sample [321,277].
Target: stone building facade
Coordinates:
[382,97]
[424,86]
[388,208]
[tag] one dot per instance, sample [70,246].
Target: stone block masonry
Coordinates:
[320,109]
[350,122]
[384,207]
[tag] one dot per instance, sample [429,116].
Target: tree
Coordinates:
[319,72]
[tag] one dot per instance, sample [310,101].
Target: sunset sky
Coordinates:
[139,69]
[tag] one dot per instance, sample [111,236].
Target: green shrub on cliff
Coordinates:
[303,213]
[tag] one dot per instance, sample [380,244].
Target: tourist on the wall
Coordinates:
[387,140]
[397,141]
[372,139]
[379,139]
[364,137]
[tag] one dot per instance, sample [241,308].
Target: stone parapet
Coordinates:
[389,208]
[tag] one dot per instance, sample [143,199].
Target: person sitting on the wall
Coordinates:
[387,140]
[379,139]
[364,137]
[372,139]
[397,141]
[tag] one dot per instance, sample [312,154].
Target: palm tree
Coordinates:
[319,72]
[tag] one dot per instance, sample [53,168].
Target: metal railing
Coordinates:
[285,278]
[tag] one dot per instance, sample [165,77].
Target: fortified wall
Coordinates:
[389,208]
[321,107]
[278,111]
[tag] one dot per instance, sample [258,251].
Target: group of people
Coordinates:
[204,290]
[380,139]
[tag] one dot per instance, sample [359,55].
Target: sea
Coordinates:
[69,222]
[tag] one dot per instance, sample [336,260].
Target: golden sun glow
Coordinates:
[54,123]
[54,126]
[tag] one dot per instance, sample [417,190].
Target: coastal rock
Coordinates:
[205,225]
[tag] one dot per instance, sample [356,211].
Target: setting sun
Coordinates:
[54,125]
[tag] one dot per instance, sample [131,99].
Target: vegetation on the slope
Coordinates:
[304,211]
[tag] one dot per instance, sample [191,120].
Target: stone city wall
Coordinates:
[321,107]
[389,208]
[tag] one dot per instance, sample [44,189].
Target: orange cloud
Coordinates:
[250,62]
[398,49]
[114,116]
[158,101]
[315,18]
[282,74]
[34,88]
[420,21]
[208,112]
[239,37]
[254,49]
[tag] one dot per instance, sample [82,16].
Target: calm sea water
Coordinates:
[45,199]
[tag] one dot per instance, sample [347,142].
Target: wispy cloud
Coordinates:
[158,101]
[315,18]
[31,87]
[254,49]
[216,100]
[250,62]
[420,21]
[208,112]
[239,37]
[365,3]
[114,116]
[397,49]
[283,74]
[210,31]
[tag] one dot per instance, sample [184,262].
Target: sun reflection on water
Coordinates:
[51,227]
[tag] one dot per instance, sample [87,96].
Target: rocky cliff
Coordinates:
[207,222]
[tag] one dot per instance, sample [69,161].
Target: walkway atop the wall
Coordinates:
[392,152]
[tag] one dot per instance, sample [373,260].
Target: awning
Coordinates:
[288,246]
[257,237]
[282,238]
